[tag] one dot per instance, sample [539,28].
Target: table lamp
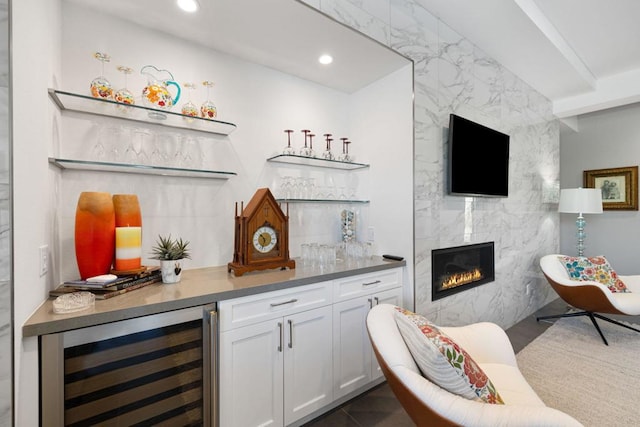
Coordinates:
[580,201]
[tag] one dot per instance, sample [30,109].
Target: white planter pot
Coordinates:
[171,270]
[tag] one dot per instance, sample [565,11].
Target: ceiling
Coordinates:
[282,34]
[584,55]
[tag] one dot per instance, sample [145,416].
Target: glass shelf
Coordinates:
[138,169]
[332,201]
[312,161]
[104,107]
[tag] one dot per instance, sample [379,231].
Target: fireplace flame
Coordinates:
[458,279]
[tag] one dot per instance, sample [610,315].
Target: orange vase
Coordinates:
[94,233]
[128,255]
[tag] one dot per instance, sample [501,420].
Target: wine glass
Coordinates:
[349,157]
[327,154]
[208,109]
[311,152]
[189,108]
[304,151]
[100,86]
[288,150]
[344,156]
[124,95]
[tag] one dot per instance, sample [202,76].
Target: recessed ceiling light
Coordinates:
[188,5]
[325,59]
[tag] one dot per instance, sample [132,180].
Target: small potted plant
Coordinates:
[170,252]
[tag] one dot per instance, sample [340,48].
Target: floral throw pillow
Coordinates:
[443,361]
[594,269]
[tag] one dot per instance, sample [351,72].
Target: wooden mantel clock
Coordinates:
[261,236]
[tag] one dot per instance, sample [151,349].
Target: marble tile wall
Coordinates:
[451,75]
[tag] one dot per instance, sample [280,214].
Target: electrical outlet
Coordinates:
[44,260]
[371,234]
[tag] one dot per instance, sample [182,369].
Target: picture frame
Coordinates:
[619,187]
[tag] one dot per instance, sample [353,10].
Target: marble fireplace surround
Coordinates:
[460,268]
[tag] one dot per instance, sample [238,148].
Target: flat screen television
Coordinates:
[478,159]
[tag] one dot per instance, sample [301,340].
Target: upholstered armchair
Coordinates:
[429,404]
[591,297]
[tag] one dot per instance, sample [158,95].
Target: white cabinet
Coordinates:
[307,359]
[290,353]
[250,376]
[276,368]
[354,364]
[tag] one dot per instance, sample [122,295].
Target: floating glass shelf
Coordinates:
[332,201]
[312,161]
[139,169]
[104,107]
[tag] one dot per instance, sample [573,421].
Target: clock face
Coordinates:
[265,239]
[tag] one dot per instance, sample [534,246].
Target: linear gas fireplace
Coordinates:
[460,268]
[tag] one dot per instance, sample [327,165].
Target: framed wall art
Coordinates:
[619,187]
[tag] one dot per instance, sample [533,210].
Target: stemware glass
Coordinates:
[344,156]
[192,154]
[100,86]
[311,152]
[288,149]
[189,108]
[208,109]
[124,95]
[304,151]
[349,157]
[98,151]
[327,154]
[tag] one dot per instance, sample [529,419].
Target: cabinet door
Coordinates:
[392,296]
[351,347]
[308,369]
[251,378]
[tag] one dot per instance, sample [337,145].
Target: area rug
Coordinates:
[572,370]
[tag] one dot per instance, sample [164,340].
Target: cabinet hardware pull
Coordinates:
[375,282]
[290,333]
[281,336]
[377,300]
[291,301]
[370,303]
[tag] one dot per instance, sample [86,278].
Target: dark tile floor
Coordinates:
[379,407]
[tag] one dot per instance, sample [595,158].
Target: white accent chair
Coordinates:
[590,297]
[430,405]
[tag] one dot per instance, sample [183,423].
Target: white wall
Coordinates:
[607,139]
[35,39]
[261,101]
[391,175]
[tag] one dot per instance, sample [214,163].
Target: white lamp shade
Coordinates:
[580,200]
